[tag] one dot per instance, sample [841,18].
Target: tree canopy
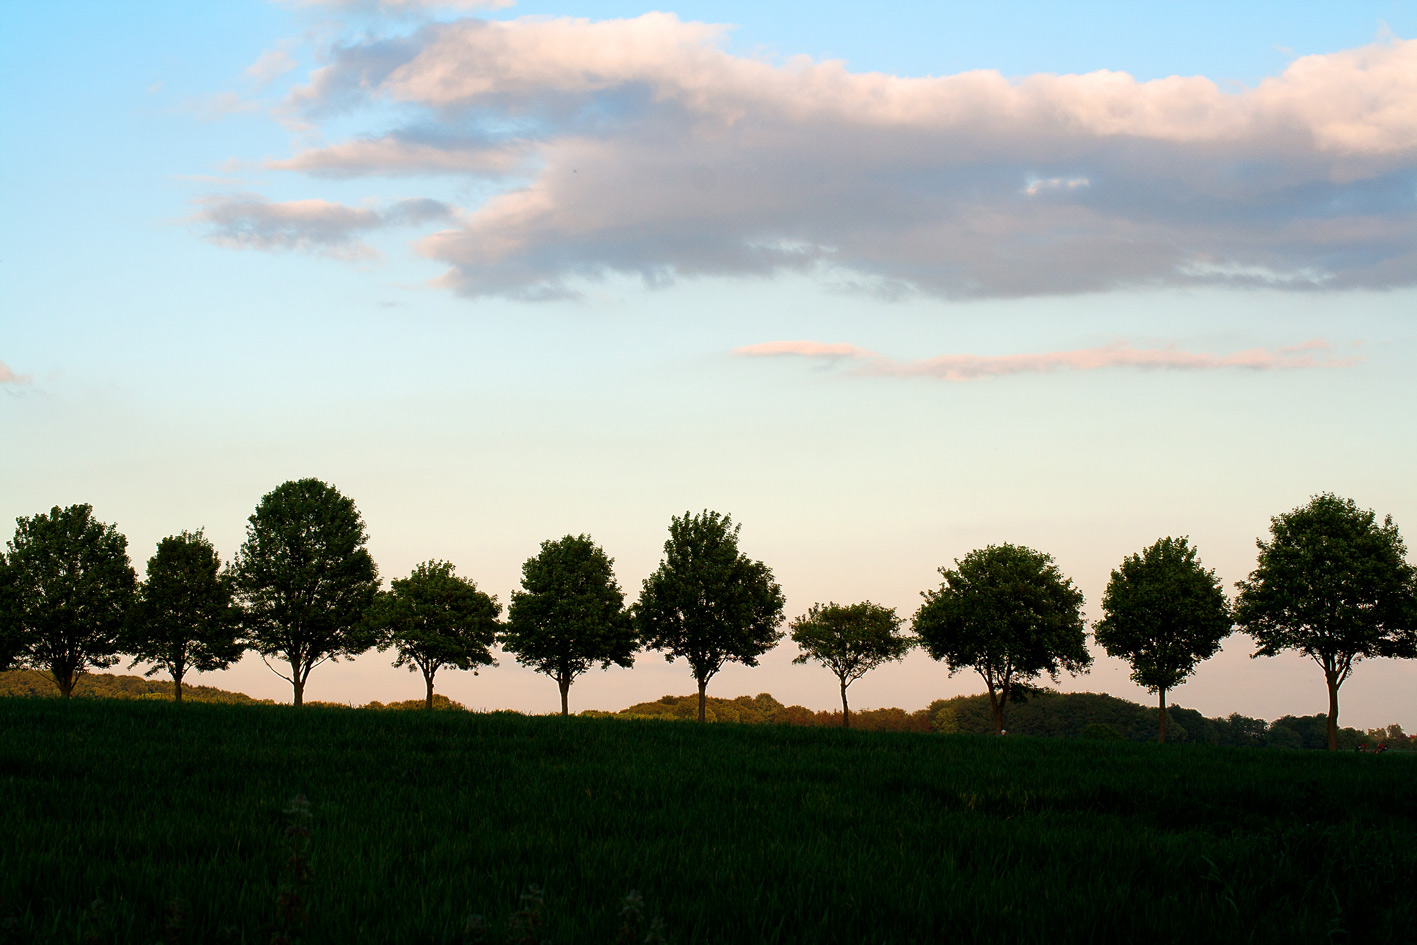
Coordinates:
[434,618]
[71,583]
[305,579]
[570,614]
[707,602]
[850,640]
[183,617]
[1164,614]
[9,626]
[1332,584]
[1009,614]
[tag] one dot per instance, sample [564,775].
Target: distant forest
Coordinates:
[1044,714]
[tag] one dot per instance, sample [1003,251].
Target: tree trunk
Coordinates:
[1161,735]
[703,684]
[1331,677]
[65,679]
[845,712]
[177,686]
[996,703]
[298,685]
[428,679]
[565,683]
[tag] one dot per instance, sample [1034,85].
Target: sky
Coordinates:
[886,284]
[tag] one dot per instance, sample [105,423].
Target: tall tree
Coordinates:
[183,617]
[850,640]
[1009,614]
[71,582]
[434,619]
[1164,614]
[1332,584]
[570,614]
[707,602]
[304,579]
[9,619]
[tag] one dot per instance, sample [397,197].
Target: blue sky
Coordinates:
[595,267]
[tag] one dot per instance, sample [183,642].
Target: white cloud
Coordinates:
[640,146]
[271,64]
[1120,354]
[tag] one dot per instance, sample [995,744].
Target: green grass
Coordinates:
[730,833]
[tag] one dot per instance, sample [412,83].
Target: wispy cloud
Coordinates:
[7,376]
[641,146]
[271,64]
[1119,354]
[313,226]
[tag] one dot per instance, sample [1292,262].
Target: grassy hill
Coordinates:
[139,821]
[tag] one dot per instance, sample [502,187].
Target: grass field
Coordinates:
[729,833]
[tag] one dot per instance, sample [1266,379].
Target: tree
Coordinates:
[71,583]
[435,618]
[1007,613]
[1332,584]
[850,640]
[1164,614]
[183,616]
[570,614]
[304,579]
[707,602]
[9,623]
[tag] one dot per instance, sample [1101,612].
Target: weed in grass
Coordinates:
[292,910]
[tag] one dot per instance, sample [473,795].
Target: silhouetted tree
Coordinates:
[183,616]
[434,619]
[1332,584]
[850,640]
[1007,613]
[304,579]
[1164,614]
[10,646]
[570,614]
[707,602]
[71,582]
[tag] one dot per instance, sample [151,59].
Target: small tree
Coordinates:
[1007,613]
[183,616]
[1164,614]
[707,602]
[850,640]
[304,579]
[71,583]
[1332,584]
[435,618]
[570,614]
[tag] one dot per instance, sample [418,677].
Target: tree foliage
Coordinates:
[434,618]
[183,617]
[1006,612]
[707,602]
[850,640]
[1164,614]
[9,619]
[305,579]
[70,584]
[570,614]
[1332,584]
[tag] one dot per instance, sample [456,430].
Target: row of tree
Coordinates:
[1331,583]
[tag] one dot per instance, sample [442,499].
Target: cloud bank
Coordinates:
[642,147]
[1120,354]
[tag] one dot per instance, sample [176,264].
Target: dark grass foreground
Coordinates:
[170,817]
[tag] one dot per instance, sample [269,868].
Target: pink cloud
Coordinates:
[8,376]
[1120,354]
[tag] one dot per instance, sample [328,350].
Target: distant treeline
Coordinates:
[1046,714]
